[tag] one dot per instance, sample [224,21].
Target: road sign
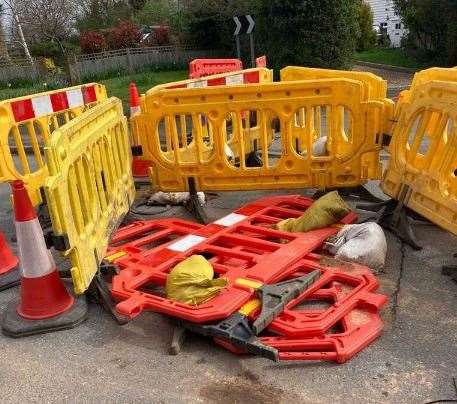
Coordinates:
[244,24]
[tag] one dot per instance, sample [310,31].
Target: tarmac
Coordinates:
[413,361]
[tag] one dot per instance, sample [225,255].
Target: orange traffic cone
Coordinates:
[134,99]
[9,270]
[140,167]
[45,304]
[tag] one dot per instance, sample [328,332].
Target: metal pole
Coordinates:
[251,40]
[238,50]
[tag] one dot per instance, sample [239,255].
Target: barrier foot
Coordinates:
[359,192]
[10,279]
[179,335]
[193,205]
[275,297]
[394,216]
[13,325]
[236,329]
[99,292]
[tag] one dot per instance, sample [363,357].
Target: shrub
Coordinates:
[92,42]
[125,35]
[319,33]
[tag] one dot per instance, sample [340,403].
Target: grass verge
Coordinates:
[115,86]
[391,56]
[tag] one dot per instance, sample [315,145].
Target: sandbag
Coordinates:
[363,243]
[327,210]
[191,281]
[173,198]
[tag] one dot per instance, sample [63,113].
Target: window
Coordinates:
[398,26]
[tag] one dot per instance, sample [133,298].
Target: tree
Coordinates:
[209,23]
[432,28]
[319,33]
[367,37]
[102,14]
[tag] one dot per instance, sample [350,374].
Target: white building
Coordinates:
[385,16]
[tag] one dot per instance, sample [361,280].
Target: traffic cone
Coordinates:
[140,168]
[9,269]
[134,98]
[45,304]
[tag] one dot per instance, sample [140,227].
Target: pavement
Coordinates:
[413,361]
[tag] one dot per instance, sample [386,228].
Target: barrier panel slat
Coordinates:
[26,124]
[423,166]
[280,120]
[90,185]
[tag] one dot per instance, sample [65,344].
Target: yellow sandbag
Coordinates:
[327,210]
[191,281]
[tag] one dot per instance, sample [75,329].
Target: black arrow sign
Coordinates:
[244,24]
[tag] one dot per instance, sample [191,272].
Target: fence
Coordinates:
[14,69]
[132,60]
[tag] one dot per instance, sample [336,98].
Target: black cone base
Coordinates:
[13,325]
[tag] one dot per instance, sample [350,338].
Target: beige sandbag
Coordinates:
[191,281]
[327,210]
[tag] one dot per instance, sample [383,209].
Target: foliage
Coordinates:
[124,35]
[319,33]
[92,42]
[102,14]
[432,26]
[367,36]
[209,23]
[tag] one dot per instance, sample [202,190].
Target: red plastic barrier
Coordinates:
[206,67]
[345,321]
[359,329]
[240,246]
[261,61]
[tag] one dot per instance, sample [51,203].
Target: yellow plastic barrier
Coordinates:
[90,185]
[26,124]
[374,87]
[352,123]
[423,166]
[187,126]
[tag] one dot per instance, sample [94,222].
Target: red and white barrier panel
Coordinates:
[229,80]
[47,104]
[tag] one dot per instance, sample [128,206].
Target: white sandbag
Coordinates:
[363,243]
[173,198]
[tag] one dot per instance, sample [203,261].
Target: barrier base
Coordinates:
[193,205]
[10,279]
[13,325]
[100,293]
[178,338]
[395,217]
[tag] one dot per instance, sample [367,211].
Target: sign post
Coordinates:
[244,25]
